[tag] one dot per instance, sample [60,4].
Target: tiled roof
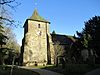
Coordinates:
[37,17]
[62,39]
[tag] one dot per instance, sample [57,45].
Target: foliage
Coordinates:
[2,36]
[11,42]
[92,27]
[90,36]
[53,32]
[3,40]
[12,45]
[8,45]
[83,39]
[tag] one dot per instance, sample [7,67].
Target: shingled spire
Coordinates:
[35,16]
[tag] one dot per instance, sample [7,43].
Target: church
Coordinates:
[38,44]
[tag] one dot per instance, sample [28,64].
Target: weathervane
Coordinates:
[35,3]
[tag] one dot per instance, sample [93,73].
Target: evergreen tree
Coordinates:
[3,38]
[53,32]
[90,35]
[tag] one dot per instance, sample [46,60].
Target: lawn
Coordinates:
[71,69]
[41,67]
[5,70]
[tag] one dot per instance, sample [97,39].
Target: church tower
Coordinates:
[36,44]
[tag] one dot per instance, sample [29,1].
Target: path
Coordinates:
[43,71]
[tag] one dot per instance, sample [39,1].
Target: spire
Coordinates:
[37,17]
[35,13]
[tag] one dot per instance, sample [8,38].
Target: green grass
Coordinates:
[80,67]
[5,70]
[41,67]
[70,69]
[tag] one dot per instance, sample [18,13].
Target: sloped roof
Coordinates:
[35,16]
[71,38]
[62,39]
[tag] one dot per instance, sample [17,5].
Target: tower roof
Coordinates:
[35,16]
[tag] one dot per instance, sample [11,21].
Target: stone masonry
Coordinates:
[37,46]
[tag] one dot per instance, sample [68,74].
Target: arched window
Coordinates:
[38,25]
[40,33]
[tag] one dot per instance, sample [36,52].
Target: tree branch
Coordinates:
[6,2]
[2,18]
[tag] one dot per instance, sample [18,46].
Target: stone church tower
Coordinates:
[37,45]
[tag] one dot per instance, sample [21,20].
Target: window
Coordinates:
[38,25]
[40,33]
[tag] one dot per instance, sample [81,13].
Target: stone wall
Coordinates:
[35,48]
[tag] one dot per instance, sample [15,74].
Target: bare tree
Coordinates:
[59,51]
[11,42]
[5,15]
